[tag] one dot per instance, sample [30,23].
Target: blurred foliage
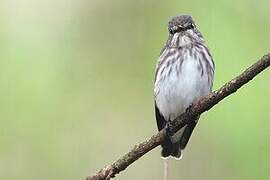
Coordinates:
[77,88]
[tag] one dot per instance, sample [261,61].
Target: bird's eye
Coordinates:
[191,26]
[173,29]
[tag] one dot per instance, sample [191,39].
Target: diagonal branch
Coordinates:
[204,104]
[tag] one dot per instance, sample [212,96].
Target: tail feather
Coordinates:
[167,147]
[186,134]
[171,147]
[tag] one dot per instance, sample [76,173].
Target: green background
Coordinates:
[77,88]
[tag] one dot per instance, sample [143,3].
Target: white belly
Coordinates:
[175,92]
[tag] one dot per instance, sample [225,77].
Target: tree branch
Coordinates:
[204,104]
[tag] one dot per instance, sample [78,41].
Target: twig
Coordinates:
[204,104]
[166,169]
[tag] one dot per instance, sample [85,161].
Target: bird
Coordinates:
[184,73]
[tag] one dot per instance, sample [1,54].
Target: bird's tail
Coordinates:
[171,149]
[173,145]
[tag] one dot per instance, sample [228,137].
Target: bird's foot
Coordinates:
[188,110]
[169,128]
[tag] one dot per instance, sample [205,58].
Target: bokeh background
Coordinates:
[77,88]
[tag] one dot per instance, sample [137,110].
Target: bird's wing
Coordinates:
[161,122]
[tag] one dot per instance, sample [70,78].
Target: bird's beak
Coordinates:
[181,27]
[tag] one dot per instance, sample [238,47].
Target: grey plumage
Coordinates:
[184,73]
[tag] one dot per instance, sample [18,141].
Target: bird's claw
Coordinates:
[169,128]
[188,110]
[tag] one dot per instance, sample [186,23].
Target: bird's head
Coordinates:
[183,30]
